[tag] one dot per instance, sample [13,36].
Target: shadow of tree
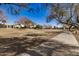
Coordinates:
[58,49]
[37,47]
[19,45]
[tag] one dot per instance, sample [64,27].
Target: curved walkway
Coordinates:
[66,38]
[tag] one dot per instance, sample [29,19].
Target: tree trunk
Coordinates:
[70,27]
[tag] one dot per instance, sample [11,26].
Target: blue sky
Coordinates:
[38,17]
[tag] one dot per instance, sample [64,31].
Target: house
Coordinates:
[2,25]
[19,26]
[33,26]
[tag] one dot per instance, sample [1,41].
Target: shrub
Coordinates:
[38,27]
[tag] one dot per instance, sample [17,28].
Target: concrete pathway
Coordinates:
[66,38]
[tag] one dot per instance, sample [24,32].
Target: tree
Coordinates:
[3,19]
[15,8]
[64,14]
[25,21]
[38,27]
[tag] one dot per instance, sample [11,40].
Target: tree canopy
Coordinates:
[3,18]
[65,14]
[25,21]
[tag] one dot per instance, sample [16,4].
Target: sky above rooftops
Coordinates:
[39,17]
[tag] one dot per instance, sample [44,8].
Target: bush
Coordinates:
[38,27]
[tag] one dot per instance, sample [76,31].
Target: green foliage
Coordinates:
[38,27]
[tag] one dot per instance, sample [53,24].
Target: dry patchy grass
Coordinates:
[28,32]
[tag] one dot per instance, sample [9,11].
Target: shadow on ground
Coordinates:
[35,47]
